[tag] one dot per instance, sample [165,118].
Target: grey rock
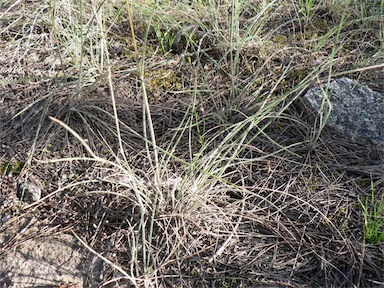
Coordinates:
[29,191]
[47,261]
[16,188]
[353,109]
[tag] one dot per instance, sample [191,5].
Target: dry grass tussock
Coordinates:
[186,158]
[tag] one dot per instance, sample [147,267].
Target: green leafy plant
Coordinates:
[165,38]
[373,218]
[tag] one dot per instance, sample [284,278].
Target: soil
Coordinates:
[280,209]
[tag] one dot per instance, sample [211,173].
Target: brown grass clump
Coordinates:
[171,139]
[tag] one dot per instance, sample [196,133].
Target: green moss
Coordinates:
[299,74]
[160,80]
[18,166]
[6,168]
[229,283]
[9,167]
[280,40]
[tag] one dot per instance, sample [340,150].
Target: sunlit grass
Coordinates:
[240,69]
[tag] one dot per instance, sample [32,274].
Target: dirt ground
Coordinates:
[235,196]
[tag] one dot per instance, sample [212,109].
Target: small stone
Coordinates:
[29,191]
[355,111]
[14,188]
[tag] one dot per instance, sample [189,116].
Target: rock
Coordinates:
[29,190]
[48,261]
[14,188]
[355,111]
[40,262]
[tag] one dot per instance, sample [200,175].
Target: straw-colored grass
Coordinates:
[172,140]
